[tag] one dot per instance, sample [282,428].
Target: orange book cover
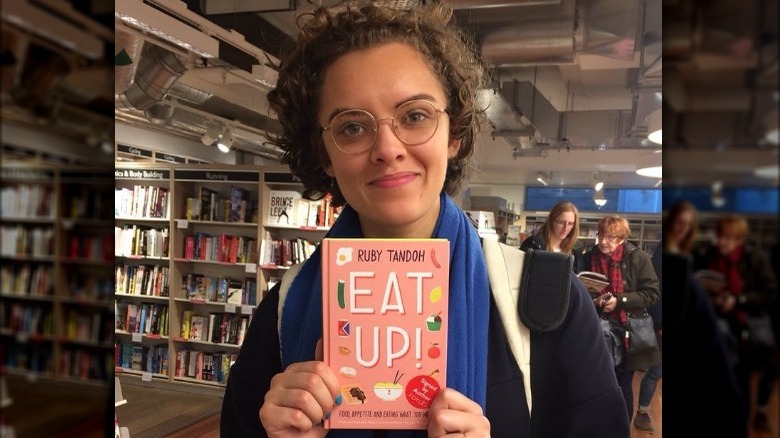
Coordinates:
[385,329]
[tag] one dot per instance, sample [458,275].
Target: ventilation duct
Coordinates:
[603,27]
[157,72]
[124,74]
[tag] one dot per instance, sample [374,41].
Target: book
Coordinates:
[594,282]
[238,200]
[385,307]
[712,281]
[281,207]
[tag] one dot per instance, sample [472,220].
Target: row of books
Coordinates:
[89,286]
[145,318]
[151,280]
[26,279]
[28,201]
[20,240]
[31,356]
[221,248]
[134,240]
[89,326]
[91,247]
[30,318]
[85,364]
[285,252]
[212,367]
[288,208]
[220,328]
[141,201]
[200,287]
[152,358]
[210,205]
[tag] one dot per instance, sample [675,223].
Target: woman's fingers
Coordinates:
[452,413]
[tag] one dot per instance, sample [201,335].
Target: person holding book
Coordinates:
[378,109]
[559,233]
[748,289]
[633,288]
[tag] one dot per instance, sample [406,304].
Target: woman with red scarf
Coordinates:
[633,287]
[749,289]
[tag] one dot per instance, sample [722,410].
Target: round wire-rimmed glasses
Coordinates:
[354,130]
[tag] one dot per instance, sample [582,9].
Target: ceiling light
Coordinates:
[225,141]
[599,198]
[211,135]
[771,171]
[716,196]
[772,134]
[654,132]
[148,19]
[649,165]
[598,183]
[543,179]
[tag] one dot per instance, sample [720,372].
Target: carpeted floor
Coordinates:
[155,411]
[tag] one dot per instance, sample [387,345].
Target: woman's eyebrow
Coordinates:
[418,96]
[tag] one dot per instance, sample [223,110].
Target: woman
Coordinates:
[559,233]
[750,289]
[679,231]
[633,287]
[378,109]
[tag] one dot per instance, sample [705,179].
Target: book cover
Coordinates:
[385,307]
[238,198]
[712,281]
[594,282]
[281,207]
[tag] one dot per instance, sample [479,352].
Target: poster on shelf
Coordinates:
[281,207]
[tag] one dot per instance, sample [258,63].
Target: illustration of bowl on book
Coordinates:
[434,322]
[389,391]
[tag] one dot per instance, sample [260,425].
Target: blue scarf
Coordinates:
[301,316]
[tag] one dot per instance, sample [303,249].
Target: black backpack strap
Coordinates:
[544,289]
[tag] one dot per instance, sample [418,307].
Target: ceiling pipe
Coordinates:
[124,74]
[157,71]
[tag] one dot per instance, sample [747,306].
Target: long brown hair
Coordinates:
[677,209]
[567,244]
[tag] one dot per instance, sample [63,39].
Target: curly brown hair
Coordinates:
[328,33]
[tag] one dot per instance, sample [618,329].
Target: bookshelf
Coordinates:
[645,229]
[188,271]
[56,273]
[291,237]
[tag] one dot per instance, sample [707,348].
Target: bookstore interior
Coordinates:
[159,292]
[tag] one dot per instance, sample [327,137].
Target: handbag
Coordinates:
[614,340]
[760,331]
[641,333]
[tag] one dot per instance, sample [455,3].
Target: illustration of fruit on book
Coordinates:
[385,329]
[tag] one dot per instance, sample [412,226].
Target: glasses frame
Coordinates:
[563,224]
[376,126]
[610,238]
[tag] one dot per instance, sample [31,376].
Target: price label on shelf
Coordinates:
[230,308]
[146,377]
[246,310]
[138,337]
[182,223]
[251,268]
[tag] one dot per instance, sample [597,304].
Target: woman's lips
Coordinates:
[394,180]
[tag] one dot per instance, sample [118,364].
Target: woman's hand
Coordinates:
[299,399]
[453,415]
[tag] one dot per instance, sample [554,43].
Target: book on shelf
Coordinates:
[385,307]
[594,282]
[239,197]
[281,207]
[208,203]
[198,328]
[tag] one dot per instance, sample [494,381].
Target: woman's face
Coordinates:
[609,241]
[681,226]
[393,187]
[728,242]
[562,225]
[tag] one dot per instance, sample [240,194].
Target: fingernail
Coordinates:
[338,400]
[327,415]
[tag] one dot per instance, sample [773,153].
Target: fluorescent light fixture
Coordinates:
[649,165]
[654,125]
[148,19]
[53,28]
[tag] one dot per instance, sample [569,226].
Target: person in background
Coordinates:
[559,233]
[378,108]
[633,288]
[750,289]
[679,231]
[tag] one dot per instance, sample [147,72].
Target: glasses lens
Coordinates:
[415,122]
[353,131]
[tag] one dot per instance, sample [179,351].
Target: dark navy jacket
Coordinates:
[572,396]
